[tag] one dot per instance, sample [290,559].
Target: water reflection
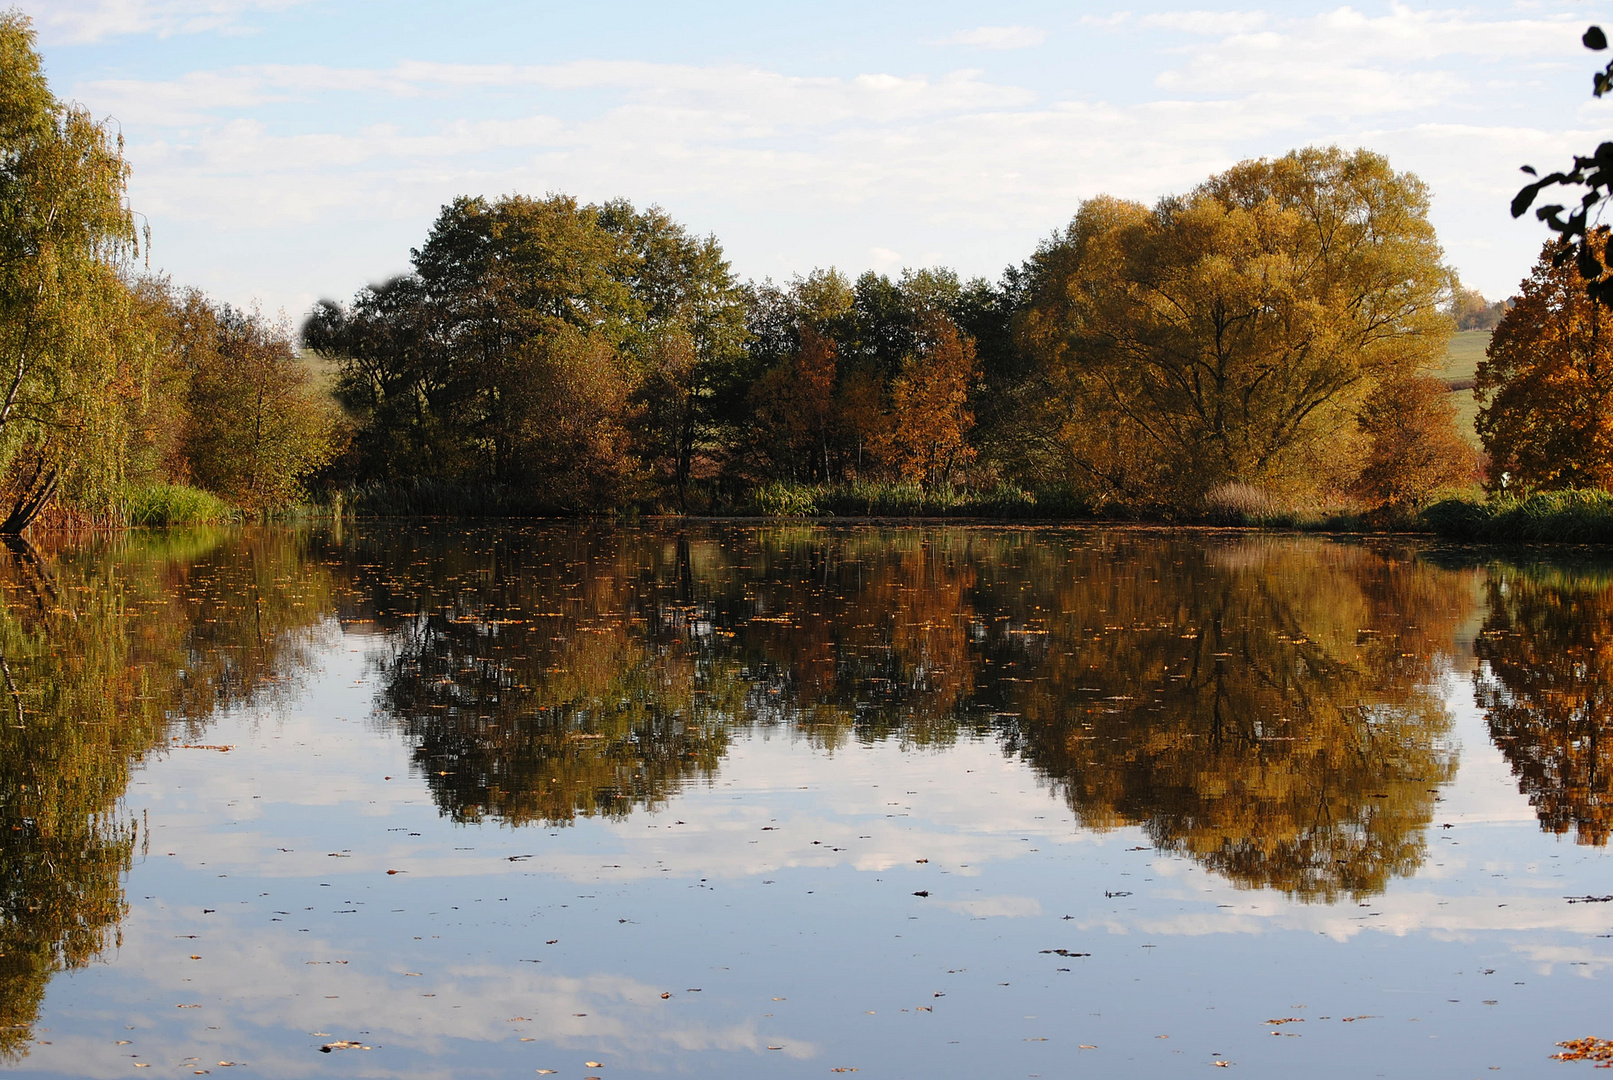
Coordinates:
[1547,690]
[1262,706]
[1266,707]
[109,652]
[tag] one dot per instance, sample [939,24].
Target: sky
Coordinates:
[285,151]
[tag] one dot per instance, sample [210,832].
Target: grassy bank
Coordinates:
[1578,517]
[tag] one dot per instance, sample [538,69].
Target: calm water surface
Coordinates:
[735,800]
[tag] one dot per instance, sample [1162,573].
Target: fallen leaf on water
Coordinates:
[1086,1046]
[516,1019]
[527,1038]
[1598,1050]
[342,1044]
[775,1047]
[547,1072]
[141,1065]
[843,1068]
[1288,1020]
[121,1042]
[1353,1019]
[666,995]
[187,1006]
[593,1064]
[1222,1064]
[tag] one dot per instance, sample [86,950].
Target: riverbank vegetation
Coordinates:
[1276,331]
[1268,348]
[118,391]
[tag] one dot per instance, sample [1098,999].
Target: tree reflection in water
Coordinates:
[107,653]
[1547,691]
[1261,705]
[1264,706]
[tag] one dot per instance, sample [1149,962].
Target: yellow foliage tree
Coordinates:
[1231,335]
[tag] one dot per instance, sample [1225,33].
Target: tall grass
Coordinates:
[176,504]
[1573,516]
[871,498]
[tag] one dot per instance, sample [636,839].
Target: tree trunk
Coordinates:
[32,497]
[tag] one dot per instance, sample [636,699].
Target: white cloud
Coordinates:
[78,22]
[1204,22]
[792,169]
[998,37]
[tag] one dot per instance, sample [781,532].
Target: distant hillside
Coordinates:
[1461,363]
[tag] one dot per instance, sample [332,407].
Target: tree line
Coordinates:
[1269,337]
[1274,328]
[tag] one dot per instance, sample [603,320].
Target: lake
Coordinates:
[431,800]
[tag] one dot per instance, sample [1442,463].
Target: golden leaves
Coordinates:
[1588,1049]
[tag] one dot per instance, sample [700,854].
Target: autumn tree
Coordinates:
[871,379]
[68,361]
[930,415]
[1473,312]
[1546,383]
[1232,335]
[1413,448]
[258,424]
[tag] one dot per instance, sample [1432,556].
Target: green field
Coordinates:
[1461,361]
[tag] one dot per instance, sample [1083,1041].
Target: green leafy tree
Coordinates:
[565,351]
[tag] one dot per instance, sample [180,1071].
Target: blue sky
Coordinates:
[285,150]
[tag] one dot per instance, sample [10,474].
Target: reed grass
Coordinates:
[163,505]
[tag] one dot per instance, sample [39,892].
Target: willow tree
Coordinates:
[1231,335]
[65,233]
